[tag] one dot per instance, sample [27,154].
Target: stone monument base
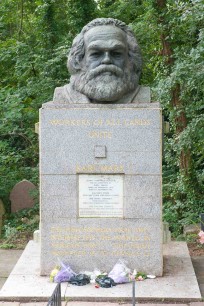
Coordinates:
[179,283]
[101,186]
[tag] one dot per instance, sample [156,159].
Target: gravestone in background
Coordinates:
[21,197]
[100,159]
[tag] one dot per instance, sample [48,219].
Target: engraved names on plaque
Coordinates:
[101,196]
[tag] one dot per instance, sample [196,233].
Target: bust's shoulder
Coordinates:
[61,94]
[66,95]
[143,95]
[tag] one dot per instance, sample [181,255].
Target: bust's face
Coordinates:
[106,73]
[105,45]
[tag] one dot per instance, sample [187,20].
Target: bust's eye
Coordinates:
[95,54]
[116,53]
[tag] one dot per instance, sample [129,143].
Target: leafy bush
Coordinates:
[19,227]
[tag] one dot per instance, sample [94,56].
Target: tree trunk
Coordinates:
[21,18]
[176,102]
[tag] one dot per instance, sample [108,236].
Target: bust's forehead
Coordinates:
[105,32]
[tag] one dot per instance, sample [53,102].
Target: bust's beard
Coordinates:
[106,83]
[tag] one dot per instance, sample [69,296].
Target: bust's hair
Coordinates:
[77,50]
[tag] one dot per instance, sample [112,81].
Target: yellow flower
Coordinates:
[53,273]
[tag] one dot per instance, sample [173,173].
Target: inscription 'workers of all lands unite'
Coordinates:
[101,122]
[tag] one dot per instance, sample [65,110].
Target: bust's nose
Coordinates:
[106,59]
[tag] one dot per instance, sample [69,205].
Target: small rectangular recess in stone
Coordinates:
[100,151]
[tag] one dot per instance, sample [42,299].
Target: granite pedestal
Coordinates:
[100,174]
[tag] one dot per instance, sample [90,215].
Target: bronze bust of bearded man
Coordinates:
[105,65]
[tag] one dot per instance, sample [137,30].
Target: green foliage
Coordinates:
[80,13]
[140,16]
[141,274]
[192,238]
[179,26]
[7,246]
[19,227]
[34,39]
[183,191]
[25,219]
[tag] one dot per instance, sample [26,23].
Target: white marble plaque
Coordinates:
[100,196]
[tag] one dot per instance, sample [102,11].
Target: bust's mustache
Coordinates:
[92,83]
[112,69]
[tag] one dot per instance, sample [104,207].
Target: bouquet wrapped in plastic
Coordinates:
[64,274]
[120,272]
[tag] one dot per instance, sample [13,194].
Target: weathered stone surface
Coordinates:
[130,140]
[59,207]
[36,236]
[191,229]
[103,241]
[37,127]
[20,196]
[100,164]
[100,151]
[105,66]
[166,233]
[121,129]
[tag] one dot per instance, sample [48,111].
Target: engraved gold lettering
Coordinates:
[98,122]
[128,242]
[113,122]
[112,168]
[86,168]
[85,122]
[100,134]
[136,122]
[71,122]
